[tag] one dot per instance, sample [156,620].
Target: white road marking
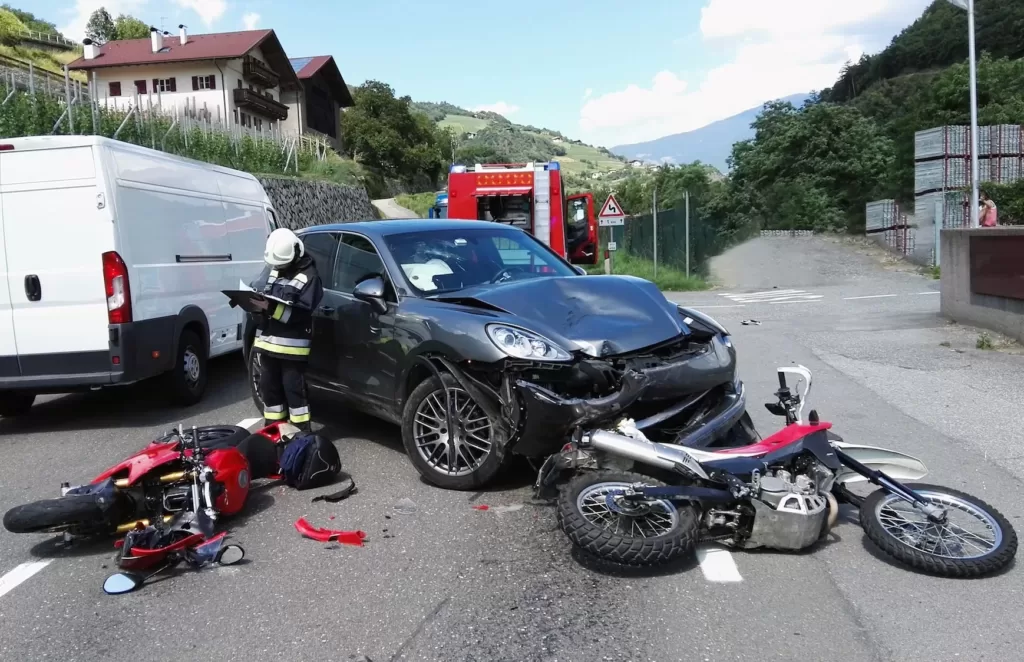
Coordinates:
[12,579]
[809,299]
[739,305]
[870,296]
[248,422]
[772,296]
[924,293]
[717,564]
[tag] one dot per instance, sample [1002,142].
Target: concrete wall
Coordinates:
[302,203]
[999,314]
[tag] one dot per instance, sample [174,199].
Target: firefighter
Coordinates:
[285,331]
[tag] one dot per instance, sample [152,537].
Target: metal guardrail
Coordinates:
[48,38]
[787,233]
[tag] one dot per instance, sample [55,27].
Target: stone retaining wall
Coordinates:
[303,203]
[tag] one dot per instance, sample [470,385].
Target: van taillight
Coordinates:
[6,148]
[119,295]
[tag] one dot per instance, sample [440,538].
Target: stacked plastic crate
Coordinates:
[885,220]
[942,168]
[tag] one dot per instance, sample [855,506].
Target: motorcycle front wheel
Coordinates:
[975,540]
[639,534]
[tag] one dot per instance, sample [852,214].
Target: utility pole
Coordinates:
[973,64]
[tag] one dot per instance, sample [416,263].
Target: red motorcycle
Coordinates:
[204,470]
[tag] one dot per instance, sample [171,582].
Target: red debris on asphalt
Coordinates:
[329,535]
[482,507]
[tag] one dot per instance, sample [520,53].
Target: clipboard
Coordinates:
[249,300]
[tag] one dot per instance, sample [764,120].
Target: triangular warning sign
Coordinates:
[611,208]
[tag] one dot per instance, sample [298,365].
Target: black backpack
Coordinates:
[309,461]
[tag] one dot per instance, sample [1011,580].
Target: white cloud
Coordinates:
[250,20]
[208,10]
[144,10]
[80,12]
[778,48]
[501,108]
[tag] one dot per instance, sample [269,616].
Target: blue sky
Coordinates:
[605,71]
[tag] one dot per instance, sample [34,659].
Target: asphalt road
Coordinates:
[391,209]
[448,582]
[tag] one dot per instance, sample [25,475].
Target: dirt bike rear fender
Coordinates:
[894,464]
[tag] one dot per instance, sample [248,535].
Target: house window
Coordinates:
[239,83]
[204,82]
[259,124]
[164,85]
[140,86]
[235,113]
[115,89]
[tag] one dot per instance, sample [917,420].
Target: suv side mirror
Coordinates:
[371,291]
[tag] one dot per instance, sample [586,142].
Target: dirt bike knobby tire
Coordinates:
[69,512]
[624,550]
[937,565]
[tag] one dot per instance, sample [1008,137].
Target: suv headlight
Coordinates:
[523,344]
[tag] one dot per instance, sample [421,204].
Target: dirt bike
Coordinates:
[781,493]
[205,469]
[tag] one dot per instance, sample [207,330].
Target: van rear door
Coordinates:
[9,366]
[57,226]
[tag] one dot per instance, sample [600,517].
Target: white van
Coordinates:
[113,258]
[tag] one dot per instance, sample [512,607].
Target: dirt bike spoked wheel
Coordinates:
[594,516]
[975,539]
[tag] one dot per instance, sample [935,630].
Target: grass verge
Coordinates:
[417,202]
[669,279]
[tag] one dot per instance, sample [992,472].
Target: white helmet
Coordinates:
[282,245]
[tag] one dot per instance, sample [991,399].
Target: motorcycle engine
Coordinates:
[789,511]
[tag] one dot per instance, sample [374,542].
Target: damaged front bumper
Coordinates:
[550,418]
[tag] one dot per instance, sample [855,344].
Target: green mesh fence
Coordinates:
[636,237]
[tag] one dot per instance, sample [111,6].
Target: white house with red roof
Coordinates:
[242,77]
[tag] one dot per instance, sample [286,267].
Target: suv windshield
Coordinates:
[438,261]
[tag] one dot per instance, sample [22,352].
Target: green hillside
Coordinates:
[484,137]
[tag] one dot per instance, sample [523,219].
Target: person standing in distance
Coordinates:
[285,328]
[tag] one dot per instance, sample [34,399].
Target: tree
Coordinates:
[812,168]
[129,27]
[385,134]
[10,28]
[31,22]
[100,27]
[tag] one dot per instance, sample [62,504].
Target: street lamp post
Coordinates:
[973,64]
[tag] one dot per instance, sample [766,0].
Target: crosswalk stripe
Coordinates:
[772,296]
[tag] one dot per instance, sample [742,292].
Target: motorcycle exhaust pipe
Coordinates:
[172,477]
[668,456]
[128,526]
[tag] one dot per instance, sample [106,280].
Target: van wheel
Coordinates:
[16,403]
[188,376]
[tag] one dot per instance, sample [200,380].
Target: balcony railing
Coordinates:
[255,71]
[260,103]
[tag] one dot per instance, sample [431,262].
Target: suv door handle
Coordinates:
[33,290]
[327,310]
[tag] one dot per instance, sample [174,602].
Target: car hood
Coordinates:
[600,315]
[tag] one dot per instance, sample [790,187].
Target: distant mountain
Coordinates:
[711,144]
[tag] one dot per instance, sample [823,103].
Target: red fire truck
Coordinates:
[529,196]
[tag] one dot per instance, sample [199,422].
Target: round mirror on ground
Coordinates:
[121,583]
[230,555]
